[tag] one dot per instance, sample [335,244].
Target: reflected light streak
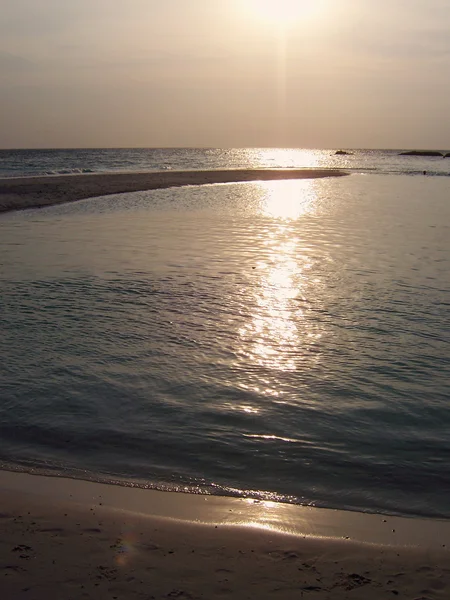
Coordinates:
[289,157]
[278,335]
[272,332]
[287,199]
[273,437]
[269,516]
[245,408]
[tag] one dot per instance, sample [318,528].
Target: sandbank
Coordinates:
[20,193]
[62,538]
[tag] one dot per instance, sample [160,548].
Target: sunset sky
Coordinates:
[224,73]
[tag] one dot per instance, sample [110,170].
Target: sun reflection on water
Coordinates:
[289,157]
[273,330]
[287,199]
[279,334]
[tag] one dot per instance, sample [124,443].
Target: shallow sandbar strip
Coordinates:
[36,192]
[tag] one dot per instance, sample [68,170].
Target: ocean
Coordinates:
[18,163]
[283,341]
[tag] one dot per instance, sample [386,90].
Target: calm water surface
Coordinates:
[285,340]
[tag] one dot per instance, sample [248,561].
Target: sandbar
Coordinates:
[19,193]
[62,538]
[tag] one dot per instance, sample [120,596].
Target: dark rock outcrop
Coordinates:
[342,152]
[421,153]
[447,155]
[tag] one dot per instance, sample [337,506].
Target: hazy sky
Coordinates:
[329,73]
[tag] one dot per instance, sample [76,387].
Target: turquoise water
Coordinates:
[285,340]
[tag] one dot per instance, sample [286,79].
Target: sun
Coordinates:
[283,12]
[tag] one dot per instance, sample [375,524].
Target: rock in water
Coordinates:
[421,153]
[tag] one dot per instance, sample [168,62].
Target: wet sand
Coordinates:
[35,192]
[70,539]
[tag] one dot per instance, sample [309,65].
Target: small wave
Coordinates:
[273,438]
[197,488]
[409,172]
[69,171]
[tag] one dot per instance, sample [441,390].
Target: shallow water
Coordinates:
[284,340]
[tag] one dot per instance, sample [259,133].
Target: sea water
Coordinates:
[18,163]
[277,340]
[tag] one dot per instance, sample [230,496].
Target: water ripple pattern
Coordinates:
[282,340]
[16,163]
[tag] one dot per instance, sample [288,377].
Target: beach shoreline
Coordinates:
[20,193]
[73,539]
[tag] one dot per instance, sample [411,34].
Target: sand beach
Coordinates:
[20,193]
[62,538]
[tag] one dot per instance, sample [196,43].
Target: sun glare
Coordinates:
[283,12]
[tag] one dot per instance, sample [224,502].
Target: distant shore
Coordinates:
[62,538]
[36,192]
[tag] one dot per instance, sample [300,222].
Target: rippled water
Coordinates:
[14,163]
[285,340]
